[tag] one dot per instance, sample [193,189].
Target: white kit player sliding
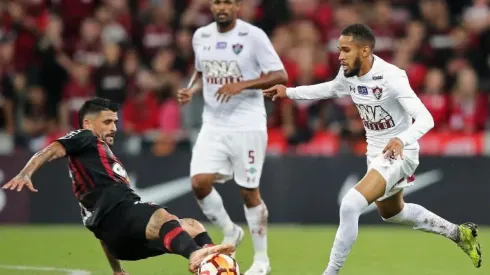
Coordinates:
[234,62]
[387,104]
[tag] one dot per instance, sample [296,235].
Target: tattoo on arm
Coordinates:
[54,151]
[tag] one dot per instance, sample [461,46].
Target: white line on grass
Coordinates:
[41,268]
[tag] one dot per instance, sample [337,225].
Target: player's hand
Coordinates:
[184,96]
[394,149]
[226,91]
[276,91]
[19,182]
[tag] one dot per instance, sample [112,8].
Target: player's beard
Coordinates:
[224,23]
[355,70]
[109,139]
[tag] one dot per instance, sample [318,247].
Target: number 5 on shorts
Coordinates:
[251,156]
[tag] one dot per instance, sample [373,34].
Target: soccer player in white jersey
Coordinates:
[386,104]
[235,61]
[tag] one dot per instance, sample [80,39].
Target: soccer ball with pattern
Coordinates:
[218,264]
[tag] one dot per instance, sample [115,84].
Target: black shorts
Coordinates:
[123,230]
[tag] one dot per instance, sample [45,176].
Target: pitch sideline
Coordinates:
[41,268]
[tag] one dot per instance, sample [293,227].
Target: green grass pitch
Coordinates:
[294,250]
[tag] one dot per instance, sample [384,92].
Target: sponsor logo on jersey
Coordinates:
[221,45]
[375,117]
[378,77]
[377,92]
[237,48]
[221,72]
[362,90]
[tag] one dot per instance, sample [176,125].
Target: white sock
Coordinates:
[257,223]
[350,210]
[422,219]
[212,206]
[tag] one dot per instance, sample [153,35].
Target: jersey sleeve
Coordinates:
[410,102]
[330,89]
[266,55]
[195,46]
[77,141]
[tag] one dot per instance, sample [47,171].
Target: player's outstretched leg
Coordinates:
[166,227]
[257,215]
[197,231]
[212,206]
[369,189]
[394,210]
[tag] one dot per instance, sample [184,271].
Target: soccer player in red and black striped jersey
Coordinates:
[128,228]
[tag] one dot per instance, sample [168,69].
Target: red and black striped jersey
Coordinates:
[99,179]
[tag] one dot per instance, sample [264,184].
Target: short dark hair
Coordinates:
[361,33]
[95,105]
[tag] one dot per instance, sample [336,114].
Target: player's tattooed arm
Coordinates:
[115,263]
[54,151]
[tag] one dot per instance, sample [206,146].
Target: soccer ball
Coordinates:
[218,264]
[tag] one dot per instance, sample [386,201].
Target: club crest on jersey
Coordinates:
[237,48]
[362,90]
[377,92]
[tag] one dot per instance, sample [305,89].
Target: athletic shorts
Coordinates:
[238,155]
[398,173]
[123,230]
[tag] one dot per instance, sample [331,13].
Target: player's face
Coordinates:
[104,126]
[350,55]
[224,11]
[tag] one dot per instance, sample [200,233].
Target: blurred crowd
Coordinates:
[54,54]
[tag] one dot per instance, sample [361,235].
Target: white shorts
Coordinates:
[398,173]
[230,154]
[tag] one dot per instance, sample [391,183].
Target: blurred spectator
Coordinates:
[77,90]
[88,49]
[73,13]
[468,106]
[52,74]
[435,98]
[35,114]
[112,31]
[110,79]
[184,61]
[158,33]
[140,112]
[197,14]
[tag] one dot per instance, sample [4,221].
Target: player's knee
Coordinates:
[349,206]
[251,196]
[159,217]
[192,226]
[202,181]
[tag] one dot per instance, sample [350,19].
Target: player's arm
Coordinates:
[54,151]
[113,262]
[266,80]
[330,89]
[184,95]
[415,108]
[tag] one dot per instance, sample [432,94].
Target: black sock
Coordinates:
[202,239]
[176,240]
